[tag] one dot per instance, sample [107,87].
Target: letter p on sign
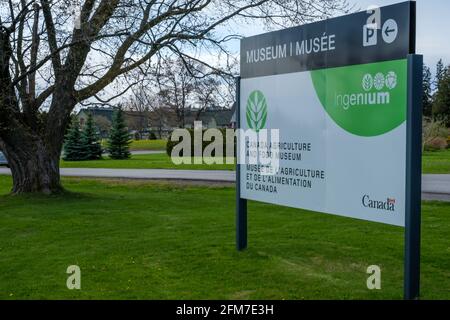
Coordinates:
[370,35]
[74,280]
[374,281]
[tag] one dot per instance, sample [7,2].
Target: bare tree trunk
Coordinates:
[34,166]
[33,159]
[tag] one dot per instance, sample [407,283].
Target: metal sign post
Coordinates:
[241,204]
[413,178]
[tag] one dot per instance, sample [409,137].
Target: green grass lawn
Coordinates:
[138,145]
[141,240]
[437,162]
[143,161]
[433,162]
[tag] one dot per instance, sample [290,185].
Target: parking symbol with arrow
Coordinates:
[389,31]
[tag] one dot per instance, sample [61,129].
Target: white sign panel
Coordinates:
[340,108]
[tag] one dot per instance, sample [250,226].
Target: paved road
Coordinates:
[194,175]
[434,187]
[436,183]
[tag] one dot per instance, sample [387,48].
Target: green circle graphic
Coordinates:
[366,100]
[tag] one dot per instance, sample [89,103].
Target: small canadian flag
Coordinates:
[391,201]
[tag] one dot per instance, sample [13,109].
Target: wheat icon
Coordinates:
[367,82]
[256,111]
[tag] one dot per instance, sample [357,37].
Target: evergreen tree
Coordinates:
[439,73]
[119,139]
[441,106]
[73,148]
[91,147]
[427,96]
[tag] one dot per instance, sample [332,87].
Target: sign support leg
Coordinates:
[413,179]
[241,204]
[241,223]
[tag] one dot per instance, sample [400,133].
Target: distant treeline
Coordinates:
[436,93]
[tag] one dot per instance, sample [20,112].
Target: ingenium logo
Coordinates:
[376,91]
[256,111]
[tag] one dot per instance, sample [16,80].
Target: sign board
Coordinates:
[337,92]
